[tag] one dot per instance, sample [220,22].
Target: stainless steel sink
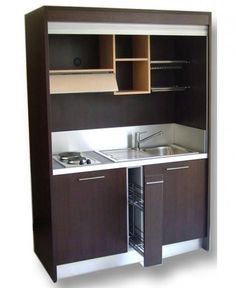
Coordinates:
[129,154]
[166,150]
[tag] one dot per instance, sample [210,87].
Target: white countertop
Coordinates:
[107,164]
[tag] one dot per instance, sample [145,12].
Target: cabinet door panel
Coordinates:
[153,219]
[184,199]
[90,215]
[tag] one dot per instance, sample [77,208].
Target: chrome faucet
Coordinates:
[138,140]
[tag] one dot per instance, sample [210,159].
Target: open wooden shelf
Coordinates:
[133,77]
[131,92]
[132,64]
[132,46]
[131,59]
[82,64]
[79,71]
[103,63]
[85,52]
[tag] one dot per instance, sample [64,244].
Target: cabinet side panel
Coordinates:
[39,137]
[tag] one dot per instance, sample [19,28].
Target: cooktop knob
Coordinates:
[82,161]
[88,161]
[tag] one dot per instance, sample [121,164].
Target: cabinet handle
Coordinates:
[155,182]
[91,178]
[177,168]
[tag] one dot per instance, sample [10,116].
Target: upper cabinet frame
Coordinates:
[110,22]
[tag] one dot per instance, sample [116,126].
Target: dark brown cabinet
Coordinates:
[184,199]
[89,215]
[75,219]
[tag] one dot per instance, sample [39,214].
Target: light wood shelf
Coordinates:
[79,71]
[131,70]
[97,75]
[131,92]
[131,59]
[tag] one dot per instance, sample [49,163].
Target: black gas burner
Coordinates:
[70,159]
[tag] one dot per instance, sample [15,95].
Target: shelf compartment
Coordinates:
[81,52]
[132,64]
[171,88]
[132,46]
[83,83]
[133,77]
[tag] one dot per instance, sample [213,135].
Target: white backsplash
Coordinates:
[123,137]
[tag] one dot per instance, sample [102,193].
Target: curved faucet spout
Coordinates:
[138,139]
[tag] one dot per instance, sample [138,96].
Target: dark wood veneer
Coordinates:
[153,220]
[191,105]
[40,138]
[89,217]
[82,14]
[100,110]
[185,200]
[63,49]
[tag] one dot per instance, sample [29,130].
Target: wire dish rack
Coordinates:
[136,209]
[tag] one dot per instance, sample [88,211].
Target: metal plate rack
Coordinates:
[168,65]
[136,209]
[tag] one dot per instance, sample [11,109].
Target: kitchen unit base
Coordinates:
[131,257]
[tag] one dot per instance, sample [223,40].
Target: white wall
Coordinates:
[19,267]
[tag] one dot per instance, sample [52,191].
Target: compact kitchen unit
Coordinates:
[96,68]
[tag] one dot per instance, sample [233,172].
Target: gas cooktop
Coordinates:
[74,159]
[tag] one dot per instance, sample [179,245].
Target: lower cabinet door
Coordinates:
[89,215]
[185,198]
[153,219]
